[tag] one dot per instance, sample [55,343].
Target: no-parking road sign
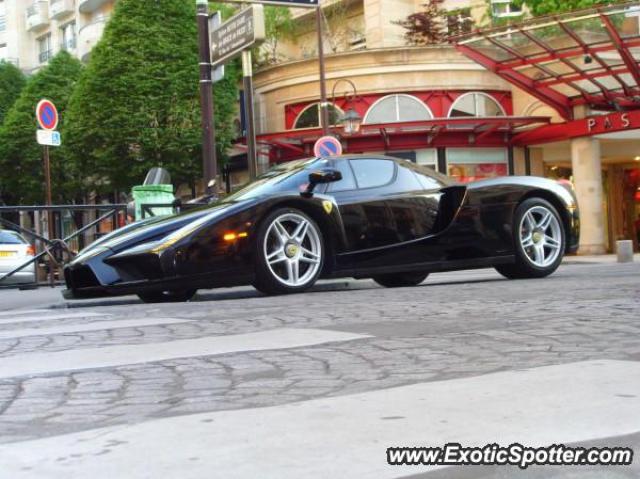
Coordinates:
[47,115]
[327,146]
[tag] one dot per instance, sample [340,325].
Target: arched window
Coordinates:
[475,104]
[310,116]
[397,108]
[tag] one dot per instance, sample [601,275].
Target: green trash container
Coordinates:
[153,195]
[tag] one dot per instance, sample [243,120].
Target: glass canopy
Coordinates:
[589,57]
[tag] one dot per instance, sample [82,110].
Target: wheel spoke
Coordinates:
[538,252]
[545,221]
[300,232]
[277,256]
[293,271]
[552,243]
[308,256]
[527,241]
[531,222]
[282,232]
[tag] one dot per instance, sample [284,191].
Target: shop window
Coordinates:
[310,117]
[397,108]
[470,164]
[475,105]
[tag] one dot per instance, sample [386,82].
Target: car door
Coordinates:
[386,208]
[366,216]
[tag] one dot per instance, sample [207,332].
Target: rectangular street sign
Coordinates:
[217,73]
[49,138]
[240,32]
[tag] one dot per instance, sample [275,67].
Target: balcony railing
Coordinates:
[45,56]
[89,35]
[68,45]
[60,8]
[37,15]
[88,6]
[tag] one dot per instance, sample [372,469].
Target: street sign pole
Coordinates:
[236,37]
[324,105]
[47,118]
[247,80]
[48,202]
[209,162]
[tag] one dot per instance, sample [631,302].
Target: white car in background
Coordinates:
[14,251]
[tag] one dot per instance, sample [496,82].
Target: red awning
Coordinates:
[587,58]
[461,131]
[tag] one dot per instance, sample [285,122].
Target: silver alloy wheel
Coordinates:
[540,236]
[292,249]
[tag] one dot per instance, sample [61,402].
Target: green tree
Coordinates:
[22,179]
[279,25]
[137,104]
[547,7]
[11,83]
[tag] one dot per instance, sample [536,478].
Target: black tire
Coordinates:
[266,279]
[524,266]
[167,296]
[398,280]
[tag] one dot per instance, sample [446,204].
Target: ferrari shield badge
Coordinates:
[328,206]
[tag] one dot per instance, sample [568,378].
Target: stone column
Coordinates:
[587,175]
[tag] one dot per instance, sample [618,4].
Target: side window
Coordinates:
[347,182]
[427,182]
[373,173]
[406,180]
[426,177]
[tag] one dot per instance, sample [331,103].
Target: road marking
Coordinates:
[347,436]
[110,356]
[47,315]
[24,311]
[95,326]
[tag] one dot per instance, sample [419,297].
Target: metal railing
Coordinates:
[45,56]
[57,250]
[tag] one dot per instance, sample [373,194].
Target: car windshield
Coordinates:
[290,176]
[8,237]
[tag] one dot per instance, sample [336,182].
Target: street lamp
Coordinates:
[350,119]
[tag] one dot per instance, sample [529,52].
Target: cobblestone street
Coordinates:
[80,366]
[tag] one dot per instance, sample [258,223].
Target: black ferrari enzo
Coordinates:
[350,216]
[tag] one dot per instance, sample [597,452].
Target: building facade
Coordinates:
[443,107]
[33,31]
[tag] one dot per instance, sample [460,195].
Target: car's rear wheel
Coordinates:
[289,252]
[397,280]
[539,241]
[172,296]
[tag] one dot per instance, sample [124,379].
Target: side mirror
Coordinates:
[321,176]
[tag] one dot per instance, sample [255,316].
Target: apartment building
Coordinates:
[32,31]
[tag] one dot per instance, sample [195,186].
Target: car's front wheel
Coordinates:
[396,280]
[289,252]
[167,296]
[539,241]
